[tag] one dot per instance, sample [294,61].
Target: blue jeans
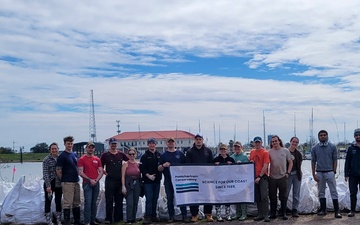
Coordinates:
[329,179]
[132,201]
[151,194]
[91,194]
[294,181]
[169,190]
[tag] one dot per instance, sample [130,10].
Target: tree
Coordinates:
[4,150]
[40,148]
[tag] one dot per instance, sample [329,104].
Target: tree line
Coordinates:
[38,148]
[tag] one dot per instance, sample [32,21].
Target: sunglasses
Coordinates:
[131,154]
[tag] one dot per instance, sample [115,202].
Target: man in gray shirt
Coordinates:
[323,165]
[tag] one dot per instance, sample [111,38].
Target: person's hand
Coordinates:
[257,180]
[48,189]
[167,164]
[346,179]
[229,162]
[217,163]
[316,178]
[151,177]
[123,190]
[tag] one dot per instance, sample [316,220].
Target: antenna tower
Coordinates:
[92,126]
[118,126]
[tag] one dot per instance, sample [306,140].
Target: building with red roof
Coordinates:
[138,140]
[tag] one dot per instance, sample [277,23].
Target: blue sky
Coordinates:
[162,64]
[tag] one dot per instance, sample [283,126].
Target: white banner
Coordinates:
[220,184]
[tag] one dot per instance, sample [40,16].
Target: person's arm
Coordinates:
[290,166]
[82,174]
[100,172]
[123,172]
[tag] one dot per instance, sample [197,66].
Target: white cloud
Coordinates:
[59,46]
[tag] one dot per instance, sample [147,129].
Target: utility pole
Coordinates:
[118,126]
[264,128]
[21,154]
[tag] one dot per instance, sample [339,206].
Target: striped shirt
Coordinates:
[49,171]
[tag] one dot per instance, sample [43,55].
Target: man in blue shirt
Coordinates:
[67,171]
[170,157]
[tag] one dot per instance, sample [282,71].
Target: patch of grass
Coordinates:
[27,157]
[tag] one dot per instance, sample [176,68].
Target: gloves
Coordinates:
[151,177]
[123,190]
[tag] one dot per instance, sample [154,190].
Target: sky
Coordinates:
[218,67]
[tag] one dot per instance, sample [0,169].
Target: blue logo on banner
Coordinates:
[187,187]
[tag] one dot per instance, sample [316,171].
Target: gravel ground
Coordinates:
[310,219]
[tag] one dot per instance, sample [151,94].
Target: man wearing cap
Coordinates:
[323,166]
[112,162]
[200,154]
[352,170]
[151,177]
[67,171]
[91,170]
[170,157]
[261,158]
[240,157]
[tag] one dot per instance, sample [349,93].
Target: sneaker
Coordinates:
[209,218]
[228,218]
[219,219]
[351,214]
[171,220]
[194,219]
[146,220]
[107,222]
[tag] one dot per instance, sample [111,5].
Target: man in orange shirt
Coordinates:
[260,157]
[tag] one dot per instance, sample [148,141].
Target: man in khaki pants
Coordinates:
[67,171]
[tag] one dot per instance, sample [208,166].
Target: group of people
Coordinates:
[277,171]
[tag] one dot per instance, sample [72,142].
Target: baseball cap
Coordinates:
[223,146]
[257,139]
[237,143]
[90,143]
[199,135]
[112,140]
[170,139]
[356,131]
[151,140]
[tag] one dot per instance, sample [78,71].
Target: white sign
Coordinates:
[215,184]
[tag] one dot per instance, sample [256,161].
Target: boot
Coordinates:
[209,218]
[58,218]
[336,209]
[283,210]
[66,216]
[265,209]
[352,207]
[294,213]
[227,212]
[238,211]
[260,209]
[273,206]
[48,217]
[76,215]
[218,214]
[243,216]
[322,211]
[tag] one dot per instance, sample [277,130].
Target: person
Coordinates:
[112,161]
[223,158]
[91,171]
[171,156]
[67,171]
[352,170]
[294,179]
[151,177]
[199,153]
[131,181]
[281,164]
[52,184]
[323,166]
[240,157]
[260,157]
